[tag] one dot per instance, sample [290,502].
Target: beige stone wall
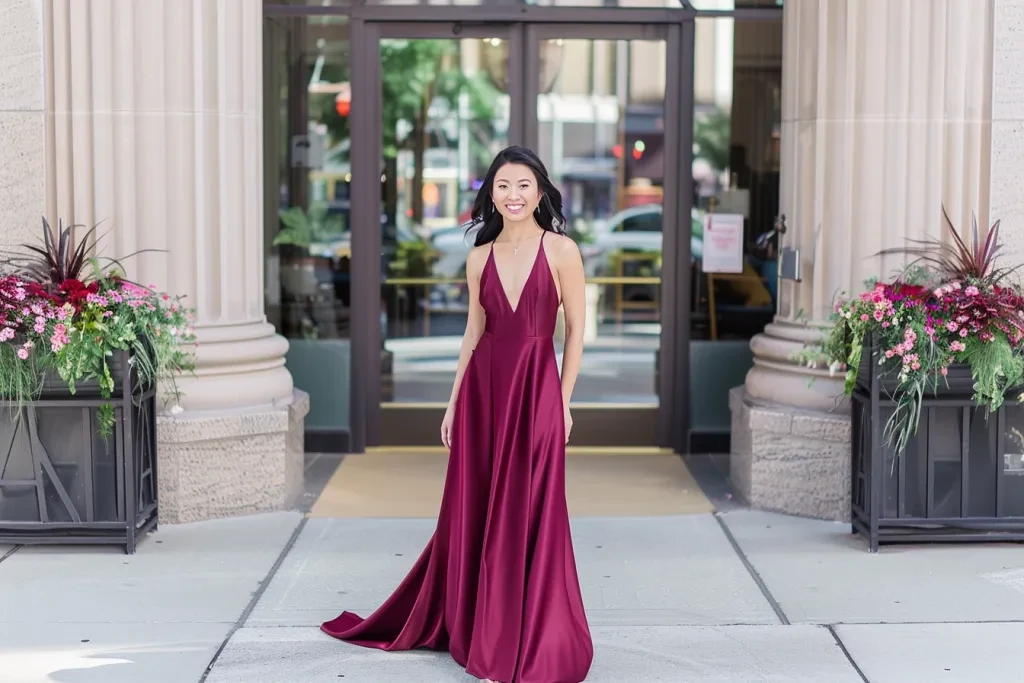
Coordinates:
[22,106]
[1007,170]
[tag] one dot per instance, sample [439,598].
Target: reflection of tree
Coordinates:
[711,138]
[414,74]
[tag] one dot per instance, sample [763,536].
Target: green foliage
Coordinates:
[712,134]
[19,379]
[953,307]
[74,332]
[295,228]
[415,73]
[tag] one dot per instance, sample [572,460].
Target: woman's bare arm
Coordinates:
[572,281]
[475,322]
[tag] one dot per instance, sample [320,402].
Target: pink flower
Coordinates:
[889,353]
[944,371]
[864,317]
[23,353]
[952,326]
[957,346]
[879,314]
[972,291]
[6,334]
[963,331]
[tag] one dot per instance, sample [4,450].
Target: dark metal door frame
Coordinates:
[524,27]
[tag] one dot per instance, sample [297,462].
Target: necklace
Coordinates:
[515,245]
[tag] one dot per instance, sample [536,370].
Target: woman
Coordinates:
[496,585]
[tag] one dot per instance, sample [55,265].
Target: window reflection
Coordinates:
[307,246]
[736,136]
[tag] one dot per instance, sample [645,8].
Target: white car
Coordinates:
[638,228]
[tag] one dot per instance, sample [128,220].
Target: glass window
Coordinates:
[437,150]
[735,181]
[307,99]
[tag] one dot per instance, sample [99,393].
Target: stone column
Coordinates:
[886,117]
[154,125]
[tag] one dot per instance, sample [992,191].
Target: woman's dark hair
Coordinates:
[549,211]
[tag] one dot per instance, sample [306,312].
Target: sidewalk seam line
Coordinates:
[751,570]
[257,595]
[849,657]
[11,552]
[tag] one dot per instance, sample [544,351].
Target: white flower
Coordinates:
[175,409]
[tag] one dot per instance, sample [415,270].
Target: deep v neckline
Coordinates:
[526,283]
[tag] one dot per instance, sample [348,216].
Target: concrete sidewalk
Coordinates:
[739,596]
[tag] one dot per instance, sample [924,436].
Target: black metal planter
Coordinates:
[61,482]
[960,478]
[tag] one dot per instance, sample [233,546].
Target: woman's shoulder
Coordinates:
[476,258]
[561,246]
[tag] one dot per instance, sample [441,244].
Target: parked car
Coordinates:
[636,229]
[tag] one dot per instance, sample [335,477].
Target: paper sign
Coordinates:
[723,243]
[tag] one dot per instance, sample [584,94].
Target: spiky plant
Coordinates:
[60,258]
[956,261]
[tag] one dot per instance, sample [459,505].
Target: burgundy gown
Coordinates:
[496,585]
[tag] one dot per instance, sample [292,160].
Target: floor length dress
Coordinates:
[496,585]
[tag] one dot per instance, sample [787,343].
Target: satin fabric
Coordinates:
[496,585]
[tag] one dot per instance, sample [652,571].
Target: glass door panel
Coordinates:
[598,105]
[446,114]
[601,129]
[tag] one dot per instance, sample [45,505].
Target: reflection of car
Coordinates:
[452,245]
[636,229]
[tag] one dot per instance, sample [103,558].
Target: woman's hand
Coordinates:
[446,427]
[568,422]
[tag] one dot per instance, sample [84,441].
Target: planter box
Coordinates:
[63,483]
[960,478]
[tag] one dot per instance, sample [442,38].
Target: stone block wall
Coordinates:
[790,460]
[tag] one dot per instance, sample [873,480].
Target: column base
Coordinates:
[232,462]
[788,459]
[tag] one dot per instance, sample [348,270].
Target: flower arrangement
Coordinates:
[56,319]
[952,307]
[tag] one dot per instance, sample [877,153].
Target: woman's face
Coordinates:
[515,192]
